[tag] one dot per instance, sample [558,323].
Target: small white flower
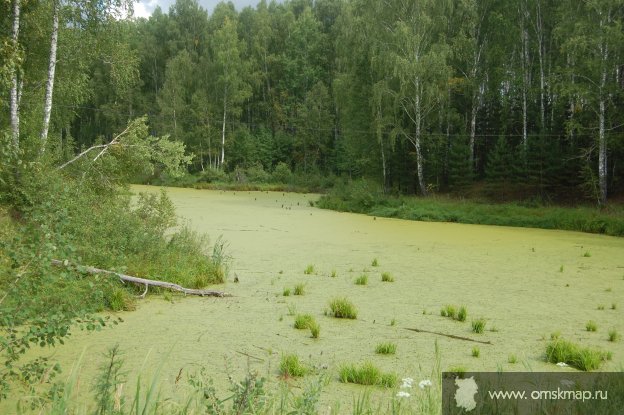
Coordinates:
[407,382]
[402,394]
[562,364]
[424,384]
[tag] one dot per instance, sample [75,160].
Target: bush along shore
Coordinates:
[363,197]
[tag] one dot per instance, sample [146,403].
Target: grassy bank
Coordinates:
[254,178]
[360,197]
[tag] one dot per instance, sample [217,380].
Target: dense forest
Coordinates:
[520,99]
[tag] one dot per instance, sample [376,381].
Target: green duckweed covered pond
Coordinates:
[526,284]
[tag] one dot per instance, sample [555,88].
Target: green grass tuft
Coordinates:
[387,277]
[393,322]
[476,352]
[303,321]
[342,308]
[591,326]
[582,358]
[462,314]
[290,365]
[309,270]
[513,359]
[366,374]
[587,254]
[299,289]
[315,329]
[478,325]
[613,335]
[286,292]
[334,274]
[361,280]
[386,348]
[375,263]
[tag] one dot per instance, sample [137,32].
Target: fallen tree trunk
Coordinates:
[146,282]
[452,336]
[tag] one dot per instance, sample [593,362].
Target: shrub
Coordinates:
[342,308]
[361,280]
[256,174]
[290,365]
[281,173]
[386,348]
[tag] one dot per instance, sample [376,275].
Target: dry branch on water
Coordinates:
[452,336]
[146,282]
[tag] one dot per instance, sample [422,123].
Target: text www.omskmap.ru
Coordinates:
[558,394]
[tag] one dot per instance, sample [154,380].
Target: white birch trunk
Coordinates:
[602,141]
[47,109]
[223,128]
[419,158]
[15,90]
[525,74]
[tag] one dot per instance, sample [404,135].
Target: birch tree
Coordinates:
[16,83]
[229,69]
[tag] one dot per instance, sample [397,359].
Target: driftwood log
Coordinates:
[146,282]
[452,336]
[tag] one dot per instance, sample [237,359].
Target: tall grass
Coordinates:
[444,209]
[583,358]
[342,308]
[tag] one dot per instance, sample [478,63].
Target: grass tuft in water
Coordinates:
[315,329]
[309,270]
[513,359]
[366,374]
[478,325]
[591,326]
[291,366]
[342,308]
[361,280]
[476,352]
[334,274]
[299,289]
[613,335]
[286,292]
[387,277]
[587,254]
[375,263]
[386,348]
[582,358]
[303,321]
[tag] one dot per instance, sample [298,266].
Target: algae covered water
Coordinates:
[525,283]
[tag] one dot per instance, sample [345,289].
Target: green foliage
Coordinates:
[309,270]
[591,326]
[366,374]
[512,358]
[291,366]
[462,313]
[303,321]
[315,329]
[478,326]
[361,280]
[613,335]
[299,289]
[286,292]
[476,352]
[342,308]
[387,277]
[582,358]
[386,348]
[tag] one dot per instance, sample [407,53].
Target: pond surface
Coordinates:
[526,283]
